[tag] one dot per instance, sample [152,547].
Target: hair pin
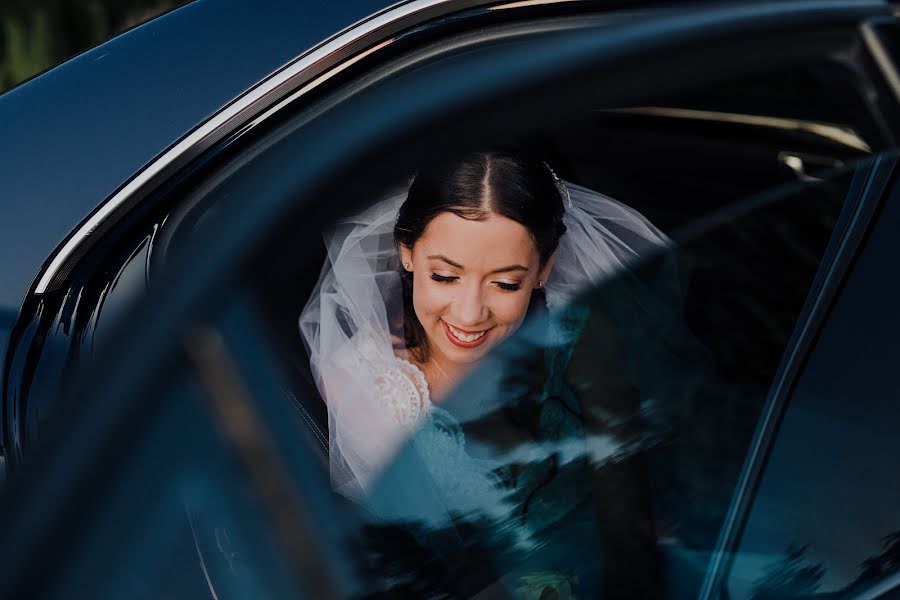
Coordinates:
[560,186]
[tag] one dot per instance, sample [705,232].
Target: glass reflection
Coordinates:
[594,454]
[824,523]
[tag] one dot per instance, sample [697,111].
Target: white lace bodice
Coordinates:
[398,385]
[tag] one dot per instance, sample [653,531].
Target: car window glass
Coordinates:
[612,458]
[177,518]
[686,155]
[612,480]
[615,478]
[824,522]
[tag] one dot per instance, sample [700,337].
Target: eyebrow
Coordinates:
[443,258]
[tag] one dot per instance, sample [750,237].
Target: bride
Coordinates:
[417,289]
[414,294]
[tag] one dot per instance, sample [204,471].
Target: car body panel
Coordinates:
[74,134]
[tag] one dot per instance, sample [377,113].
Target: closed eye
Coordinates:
[509,287]
[443,278]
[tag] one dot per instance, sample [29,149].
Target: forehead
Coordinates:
[489,243]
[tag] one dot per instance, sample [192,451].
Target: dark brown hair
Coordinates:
[517,187]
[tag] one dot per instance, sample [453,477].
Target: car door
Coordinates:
[219,364]
[816,513]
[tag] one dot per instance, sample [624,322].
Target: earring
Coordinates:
[541,283]
[406,266]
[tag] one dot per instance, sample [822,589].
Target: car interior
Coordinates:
[750,178]
[676,163]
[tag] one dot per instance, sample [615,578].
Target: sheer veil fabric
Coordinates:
[376,398]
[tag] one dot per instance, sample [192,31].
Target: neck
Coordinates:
[442,377]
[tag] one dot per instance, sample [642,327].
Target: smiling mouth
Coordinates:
[465,339]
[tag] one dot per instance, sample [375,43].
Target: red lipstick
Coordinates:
[456,341]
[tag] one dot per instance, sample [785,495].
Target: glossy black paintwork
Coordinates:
[58,333]
[73,135]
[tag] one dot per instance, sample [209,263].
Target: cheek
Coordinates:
[429,301]
[511,309]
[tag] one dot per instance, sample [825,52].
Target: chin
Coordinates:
[466,357]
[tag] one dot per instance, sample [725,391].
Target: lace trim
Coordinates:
[399,385]
[403,390]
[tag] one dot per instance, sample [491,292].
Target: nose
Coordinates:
[469,307]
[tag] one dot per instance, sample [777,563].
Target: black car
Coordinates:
[164,195]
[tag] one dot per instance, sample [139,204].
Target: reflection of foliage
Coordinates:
[674,379]
[750,279]
[38,34]
[414,560]
[398,564]
[885,563]
[794,578]
[548,584]
[790,577]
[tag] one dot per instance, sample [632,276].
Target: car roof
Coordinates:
[74,134]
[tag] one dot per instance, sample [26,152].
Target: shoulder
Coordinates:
[387,376]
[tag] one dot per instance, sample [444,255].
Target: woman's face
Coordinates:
[473,283]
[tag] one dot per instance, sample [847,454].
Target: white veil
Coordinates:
[349,325]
